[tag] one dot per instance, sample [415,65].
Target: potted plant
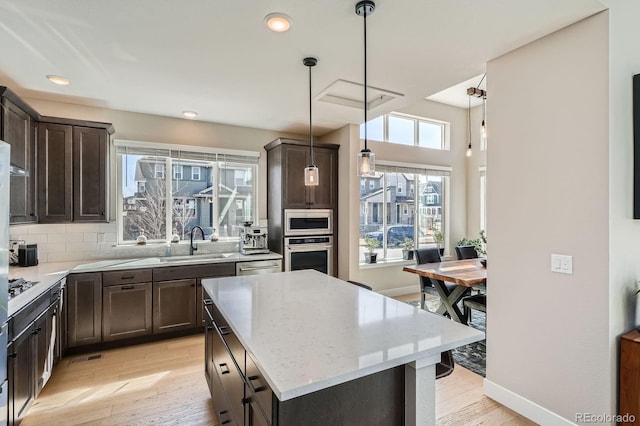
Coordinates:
[438,237]
[371,244]
[407,249]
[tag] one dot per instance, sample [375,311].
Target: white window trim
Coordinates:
[117,195]
[178,170]
[193,173]
[446,130]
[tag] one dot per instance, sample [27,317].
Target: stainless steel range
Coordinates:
[18,286]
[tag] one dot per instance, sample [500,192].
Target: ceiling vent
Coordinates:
[348,93]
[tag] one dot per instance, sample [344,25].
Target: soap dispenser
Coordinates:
[214,235]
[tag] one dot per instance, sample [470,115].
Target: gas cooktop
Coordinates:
[19,285]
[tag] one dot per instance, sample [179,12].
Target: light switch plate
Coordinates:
[562,264]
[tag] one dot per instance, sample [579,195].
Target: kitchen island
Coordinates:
[303,347]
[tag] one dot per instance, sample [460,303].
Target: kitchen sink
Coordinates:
[195,258]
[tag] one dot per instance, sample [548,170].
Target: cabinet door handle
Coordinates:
[224,330]
[256,389]
[226,368]
[127,287]
[209,327]
[12,355]
[37,330]
[207,302]
[127,277]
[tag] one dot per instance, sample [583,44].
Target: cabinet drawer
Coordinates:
[170,273]
[235,347]
[126,277]
[259,387]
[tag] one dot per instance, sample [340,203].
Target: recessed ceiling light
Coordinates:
[58,80]
[278,22]
[190,114]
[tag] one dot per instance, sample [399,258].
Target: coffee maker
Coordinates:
[253,239]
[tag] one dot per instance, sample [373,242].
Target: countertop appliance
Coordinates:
[4,275]
[253,239]
[28,255]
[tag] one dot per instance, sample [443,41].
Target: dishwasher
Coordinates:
[259,267]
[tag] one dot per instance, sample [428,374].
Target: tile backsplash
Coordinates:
[89,241]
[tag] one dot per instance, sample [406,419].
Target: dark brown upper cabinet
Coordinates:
[286,161]
[18,127]
[72,164]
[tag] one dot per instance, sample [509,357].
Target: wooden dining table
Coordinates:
[465,273]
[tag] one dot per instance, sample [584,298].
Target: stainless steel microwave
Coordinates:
[302,222]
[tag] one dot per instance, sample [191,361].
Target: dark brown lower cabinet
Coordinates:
[174,305]
[126,311]
[84,309]
[20,374]
[30,354]
[242,396]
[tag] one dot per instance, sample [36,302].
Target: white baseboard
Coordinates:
[393,292]
[520,405]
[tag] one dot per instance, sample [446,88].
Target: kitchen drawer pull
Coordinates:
[37,330]
[224,330]
[224,422]
[258,268]
[226,368]
[128,287]
[127,277]
[207,302]
[256,389]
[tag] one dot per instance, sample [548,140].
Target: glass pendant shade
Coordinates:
[483,131]
[366,163]
[311,176]
[469,151]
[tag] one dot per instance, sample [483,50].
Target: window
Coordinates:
[218,201]
[177,172]
[408,130]
[390,215]
[142,187]
[159,171]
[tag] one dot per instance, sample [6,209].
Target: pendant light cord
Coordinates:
[364,14]
[310,134]
[469,120]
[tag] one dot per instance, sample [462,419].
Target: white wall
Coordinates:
[624,252]
[548,346]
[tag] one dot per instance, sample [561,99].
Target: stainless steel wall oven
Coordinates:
[311,252]
[308,240]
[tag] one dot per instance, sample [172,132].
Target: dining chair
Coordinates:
[431,255]
[446,364]
[477,302]
[360,284]
[466,252]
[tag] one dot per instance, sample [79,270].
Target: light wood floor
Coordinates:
[163,383]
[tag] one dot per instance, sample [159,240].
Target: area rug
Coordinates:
[474,355]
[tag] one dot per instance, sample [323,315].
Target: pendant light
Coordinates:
[483,126]
[366,158]
[311,171]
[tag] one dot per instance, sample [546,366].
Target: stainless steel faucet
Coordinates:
[191,247]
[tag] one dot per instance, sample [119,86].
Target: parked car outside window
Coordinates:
[395,234]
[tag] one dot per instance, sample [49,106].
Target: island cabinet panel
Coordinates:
[84,312]
[126,311]
[174,305]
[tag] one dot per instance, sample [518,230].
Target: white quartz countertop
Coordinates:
[47,274]
[309,331]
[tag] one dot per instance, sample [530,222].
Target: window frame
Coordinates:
[220,159]
[444,125]
[177,171]
[194,174]
[419,170]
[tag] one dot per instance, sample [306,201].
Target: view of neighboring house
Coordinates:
[202,193]
[395,193]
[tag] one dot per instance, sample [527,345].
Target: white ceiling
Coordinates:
[217,57]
